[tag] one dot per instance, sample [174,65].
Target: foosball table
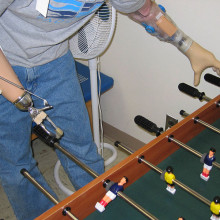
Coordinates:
[145,185]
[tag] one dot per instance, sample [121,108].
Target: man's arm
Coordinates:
[9,91]
[159,24]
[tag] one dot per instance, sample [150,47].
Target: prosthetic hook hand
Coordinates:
[156,22]
[12,90]
[25,103]
[38,116]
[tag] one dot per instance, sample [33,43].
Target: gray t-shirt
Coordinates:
[29,39]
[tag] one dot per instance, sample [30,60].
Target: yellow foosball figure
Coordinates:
[169,177]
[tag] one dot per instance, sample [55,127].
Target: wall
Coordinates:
[147,72]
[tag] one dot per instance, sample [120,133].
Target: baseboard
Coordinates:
[115,134]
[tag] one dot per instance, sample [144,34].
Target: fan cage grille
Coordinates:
[93,38]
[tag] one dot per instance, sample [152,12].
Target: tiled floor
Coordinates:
[43,154]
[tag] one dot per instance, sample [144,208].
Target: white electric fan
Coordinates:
[88,44]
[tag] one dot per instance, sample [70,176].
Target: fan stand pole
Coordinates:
[94,100]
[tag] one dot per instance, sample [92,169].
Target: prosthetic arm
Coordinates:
[13,91]
[157,22]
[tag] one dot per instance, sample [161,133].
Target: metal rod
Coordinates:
[71,215]
[192,192]
[206,98]
[186,147]
[22,88]
[12,83]
[198,154]
[155,168]
[207,125]
[137,206]
[76,160]
[125,148]
[27,175]
[181,185]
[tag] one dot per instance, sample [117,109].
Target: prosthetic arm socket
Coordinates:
[19,97]
[159,24]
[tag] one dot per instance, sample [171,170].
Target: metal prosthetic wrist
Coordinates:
[23,102]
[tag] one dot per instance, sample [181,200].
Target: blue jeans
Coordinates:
[56,82]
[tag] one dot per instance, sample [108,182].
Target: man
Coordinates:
[34,38]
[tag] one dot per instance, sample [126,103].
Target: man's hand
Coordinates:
[200,60]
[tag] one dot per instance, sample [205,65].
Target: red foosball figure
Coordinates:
[208,160]
[111,194]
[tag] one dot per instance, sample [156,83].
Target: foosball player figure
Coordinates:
[207,159]
[111,194]
[181,218]
[215,208]
[169,177]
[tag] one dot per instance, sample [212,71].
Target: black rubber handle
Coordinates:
[212,79]
[182,112]
[44,136]
[147,125]
[189,90]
